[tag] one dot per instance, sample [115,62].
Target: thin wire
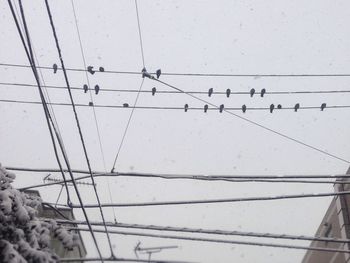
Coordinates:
[267,109]
[178,92]
[201,239]
[257,75]
[127,126]
[93,108]
[140,35]
[119,260]
[76,119]
[52,113]
[47,113]
[256,124]
[211,232]
[215,201]
[183,176]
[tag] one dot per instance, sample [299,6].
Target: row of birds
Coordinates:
[244,107]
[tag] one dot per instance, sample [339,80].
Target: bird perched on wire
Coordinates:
[323,106]
[228,92]
[125,105]
[186,107]
[154,91]
[90,70]
[206,108]
[158,73]
[252,92]
[244,108]
[86,88]
[97,89]
[146,74]
[55,68]
[262,92]
[101,69]
[210,92]
[272,107]
[296,107]
[221,108]
[279,106]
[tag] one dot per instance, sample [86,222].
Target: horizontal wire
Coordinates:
[119,260]
[213,201]
[201,239]
[209,231]
[170,108]
[188,74]
[180,176]
[178,92]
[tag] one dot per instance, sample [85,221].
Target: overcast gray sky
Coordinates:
[233,37]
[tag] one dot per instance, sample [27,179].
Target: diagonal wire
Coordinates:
[139,91]
[47,113]
[77,120]
[93,107]
[255,123]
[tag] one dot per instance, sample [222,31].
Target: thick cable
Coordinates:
[77,119]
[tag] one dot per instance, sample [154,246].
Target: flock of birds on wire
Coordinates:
[186,106]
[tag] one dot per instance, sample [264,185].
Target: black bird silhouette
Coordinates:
[252,92]
[101,69]
[262,92]
[146,74]
[90,70]
[228,92]
[154,91]
[279,106]
[323,106]
[272,106]
[210,92]
[85,88]
[244,108]
[97,89]
[205,108]
[221,108]
[186,107]
[158,73]
[296,107]
[125,105]
[91,103]
[55,68]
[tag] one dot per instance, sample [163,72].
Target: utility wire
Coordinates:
[93,108]
[47,113]
[77,119]
[215,201]
[211,231]
[139,90]
[202,239]
[267,109]
[119,260]
[184,74]
[50,108]
[178,92]
[256,124]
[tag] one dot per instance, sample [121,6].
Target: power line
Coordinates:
[118,260]
[215,201]
[76,118]
[202,239]
[267,109]
[226,178]
[47,113]
[92,100]
[178,92]
[183,74]
[255,123]
[140,35]
[210,231]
